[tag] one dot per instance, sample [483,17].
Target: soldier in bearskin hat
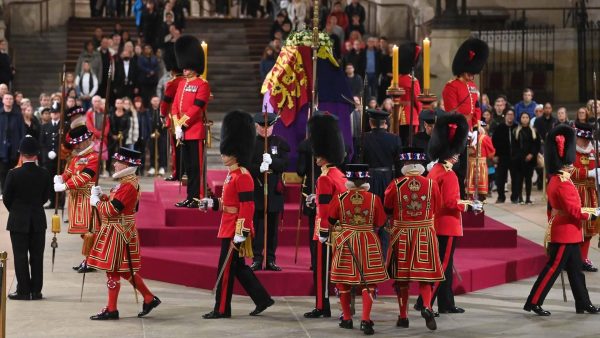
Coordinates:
[564,233]
[584,178]
[359,212]
[188,111]
[236,230]
[409,56]
[327,144]
[116,248]
[448,141]
[77,180]
[413,201]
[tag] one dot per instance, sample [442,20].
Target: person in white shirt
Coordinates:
[86,84]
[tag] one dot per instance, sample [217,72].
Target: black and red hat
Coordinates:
[79,134]
[409,56]
[559,148]
[584,130]
[357,171]
[470,57]
[449,137]
[129,156]
[189,54]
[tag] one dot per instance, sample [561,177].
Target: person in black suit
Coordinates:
[126,74]
[50,149]
[26,190]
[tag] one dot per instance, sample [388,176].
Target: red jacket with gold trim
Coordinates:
[448,219]
[79,179]
[462,97]
[405,83]
[412,199]
[168,97]
[237,204]
[332,182]
[189,105]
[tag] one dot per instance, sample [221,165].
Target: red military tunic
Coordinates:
[462,97]
[189,105]
[237,204]
[448,219]
[79,179]
[414,201]
[404,81]
[118,229]
[586,187]
[332,182]
[168,97]
[486,151]
[566,216]
[359,213]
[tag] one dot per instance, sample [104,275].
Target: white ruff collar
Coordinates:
[412,169]
[586,150]
[350,185]
[125,172]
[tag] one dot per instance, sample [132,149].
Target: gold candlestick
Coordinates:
[396,93]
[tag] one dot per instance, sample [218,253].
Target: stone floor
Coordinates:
[491,312]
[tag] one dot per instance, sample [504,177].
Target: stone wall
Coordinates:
[25,18]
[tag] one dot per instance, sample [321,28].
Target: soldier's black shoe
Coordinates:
[316,313]
[263,307]
[146,308]
[537,309]
[256,265]
[193,204]
[19,296]
[429,319]
[172,178]
[367,327]
[184,203]
[106,315]
[587,266]
[589,309]
[454,309]
[36,296]
[86,269]
[273,267]
[215,315]
[346,324]
[77,267]
[500,200]
[402,322]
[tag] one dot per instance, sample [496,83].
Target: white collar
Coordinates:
[125,172]
[86,149]
[586,150]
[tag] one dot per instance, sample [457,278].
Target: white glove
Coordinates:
[477,206]
[238,239]
[58,187]
[94,200]
[178,133]
[597,212]
[206,203]
[431,164]
[322,239]
[267,158]
[96,191]
[310,199]
[58,179]
[264,167]
[591,173]
[473,137]
[51,154]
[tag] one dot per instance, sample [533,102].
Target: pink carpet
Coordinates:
[180,246]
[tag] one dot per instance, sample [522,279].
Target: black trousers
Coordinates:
[272,235]
[561,257]
[443,290]
[312,245]
[236,267]
[28,250]
[191,163]
[320,276]
[162,150]
[502,170]
[523,174]
[460,168]
[4,168]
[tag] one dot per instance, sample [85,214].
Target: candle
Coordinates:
[395,67]
[426,65]
[205,49]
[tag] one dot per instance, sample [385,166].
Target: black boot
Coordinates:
[146,308]
[106,315]
[184,203]
[346,324]
[367,327]
[429,319]
[262,307]
[537,309]
[402,322]
[215,315]
[589,309]
[272,266]
[316,313]
[256,265]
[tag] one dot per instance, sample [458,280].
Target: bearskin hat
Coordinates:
[559,148]
[326,138]
[189,54]
[584,130]
[409,56]
[449,137]
[470,57]
[238,135]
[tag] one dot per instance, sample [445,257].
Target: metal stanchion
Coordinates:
[3,258]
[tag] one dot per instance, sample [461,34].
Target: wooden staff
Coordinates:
[265,190]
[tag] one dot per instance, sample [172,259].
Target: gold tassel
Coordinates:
[208,137]
[246,248]
[55,224]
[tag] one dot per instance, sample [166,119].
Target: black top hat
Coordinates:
[470,57]
[412,154]
[559,148]
[449,137]
[29,146]
[377,114]
[584,130]
[409,55]
[79,134]
[189,54]
[74,111]
[259,118]
[357,171]
[238,136]
[129,156]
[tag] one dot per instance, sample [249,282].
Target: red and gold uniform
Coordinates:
[463,97]
[79,178]
[586,186]
[479,163]
[359,213]
[404,82]
[413,201]
[189,106]
[165,111]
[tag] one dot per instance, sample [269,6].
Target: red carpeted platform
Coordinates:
[180,246]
